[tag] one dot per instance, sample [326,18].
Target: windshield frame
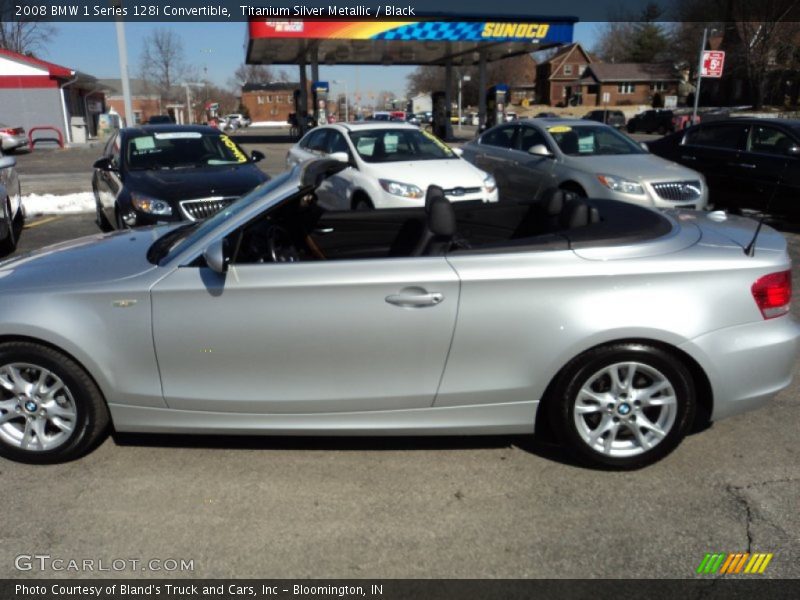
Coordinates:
[589,124]
[194,242]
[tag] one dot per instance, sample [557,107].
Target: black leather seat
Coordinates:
[431,236]
[544,216]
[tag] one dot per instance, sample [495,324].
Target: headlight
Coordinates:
[489,184]
[150,205]
[404,190]
[618,184]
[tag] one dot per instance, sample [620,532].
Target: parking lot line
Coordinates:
[42,221]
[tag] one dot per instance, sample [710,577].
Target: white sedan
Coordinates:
[391,166]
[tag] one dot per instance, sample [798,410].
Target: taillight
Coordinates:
[8,131]
[773,293]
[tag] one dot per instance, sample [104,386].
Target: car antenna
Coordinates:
[750,249]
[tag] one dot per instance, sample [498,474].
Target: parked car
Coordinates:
[511,116]
[12,138]
[160,120]
[390,166]
[587,158]
[748,163]
[161,173]
[601,323]
[547,115]
[380,116]
[650,121]
[615,118]
[12,210]
[240,119]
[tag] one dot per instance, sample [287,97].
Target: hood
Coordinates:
[447,174]
[639,167]
[102,258]
[185,184]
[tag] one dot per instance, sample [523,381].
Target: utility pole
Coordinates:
[122,48]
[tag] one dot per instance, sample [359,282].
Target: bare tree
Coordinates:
[162,64]
[25,37]
[250,74]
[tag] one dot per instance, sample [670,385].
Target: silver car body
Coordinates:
[11,207]
[523,176]
[314,347]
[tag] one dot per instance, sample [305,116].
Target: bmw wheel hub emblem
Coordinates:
[31,406]
[624,408]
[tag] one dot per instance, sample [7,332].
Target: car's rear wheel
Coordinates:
[362,202]
[625,405]
[50,409]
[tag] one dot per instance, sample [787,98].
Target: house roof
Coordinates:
[138,87]
[273,86]
[53,69]
[612,72]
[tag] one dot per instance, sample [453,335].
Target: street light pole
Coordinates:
[122,48]
[699,75]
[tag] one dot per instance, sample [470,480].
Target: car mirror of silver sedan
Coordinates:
[458,151]
[539,150]
[214,256]
[793,150]
[6,162]
[257,156]
[644,147]
[340,156]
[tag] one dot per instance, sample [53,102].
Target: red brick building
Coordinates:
[145,102]
[627,83]
[557,77]
[269,101]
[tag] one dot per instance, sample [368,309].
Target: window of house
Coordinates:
[567,69]
[626,87]
[269,98]
[289,98]
[260,99]
[658,86]
[581,69]
[137,117]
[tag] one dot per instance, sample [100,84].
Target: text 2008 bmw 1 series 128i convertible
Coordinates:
[613,326]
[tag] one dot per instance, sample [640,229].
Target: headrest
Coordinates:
[441,215]
[578,213]
[552,202]
[434,192]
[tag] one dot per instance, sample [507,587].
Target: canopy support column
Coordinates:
[448,96]
[482,90]
[302,110]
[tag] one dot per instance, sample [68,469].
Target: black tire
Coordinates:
[118,222]
[362,202]
[91,413]
[9,243]
[586,371]
[631,127]
[575,188]
[662,130]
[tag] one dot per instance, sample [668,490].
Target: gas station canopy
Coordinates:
[421,42]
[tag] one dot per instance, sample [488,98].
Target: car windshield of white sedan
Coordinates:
[592,140]
[394,145]
[181,150]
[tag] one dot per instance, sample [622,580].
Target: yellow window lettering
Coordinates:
[233,148]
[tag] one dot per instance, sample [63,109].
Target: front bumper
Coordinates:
[748,364]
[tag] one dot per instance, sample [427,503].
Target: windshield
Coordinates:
[181,149]
[393,145]
[592,140]
[176,240]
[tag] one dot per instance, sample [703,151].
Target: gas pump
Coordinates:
[441,115]
[319,93]
[496,98]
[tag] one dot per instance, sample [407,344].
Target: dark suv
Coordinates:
[615,118]
[652,120]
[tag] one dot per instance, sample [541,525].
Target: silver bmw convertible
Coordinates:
[614,327]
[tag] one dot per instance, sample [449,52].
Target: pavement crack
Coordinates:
[735,491]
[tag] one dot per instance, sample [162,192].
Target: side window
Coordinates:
[337,143]
[767,140]
[729,137]
[315,140]
[502,137]
[529,137]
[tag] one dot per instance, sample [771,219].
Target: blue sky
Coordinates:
[219,47]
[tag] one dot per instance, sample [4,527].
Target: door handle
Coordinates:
[747,165]
[415,300]
[324,230]
[686,157]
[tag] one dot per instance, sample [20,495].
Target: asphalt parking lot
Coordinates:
[504,507]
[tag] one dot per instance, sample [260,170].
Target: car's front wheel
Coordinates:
[625,405]
[50,408]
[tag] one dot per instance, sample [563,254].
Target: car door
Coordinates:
[529,173]
[495,156]
[108,183]
[307,337]
[765,163]
[714,150]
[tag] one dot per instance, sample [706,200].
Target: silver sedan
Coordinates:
[589,159]
[613,326]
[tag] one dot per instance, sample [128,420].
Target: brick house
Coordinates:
[557,77]
[627,83]
[269,101]
[145,102]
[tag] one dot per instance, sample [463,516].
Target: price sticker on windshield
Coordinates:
[559,129]
[438,142]
[229,143]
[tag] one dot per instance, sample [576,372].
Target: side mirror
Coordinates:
[793,150]
[215,256]
[6,162]
[103,164]
[458,152]
[257,156]
[539,150]
[644,146]
[340,156]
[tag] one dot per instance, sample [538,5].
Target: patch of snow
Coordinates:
[269,124]
[51,204]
